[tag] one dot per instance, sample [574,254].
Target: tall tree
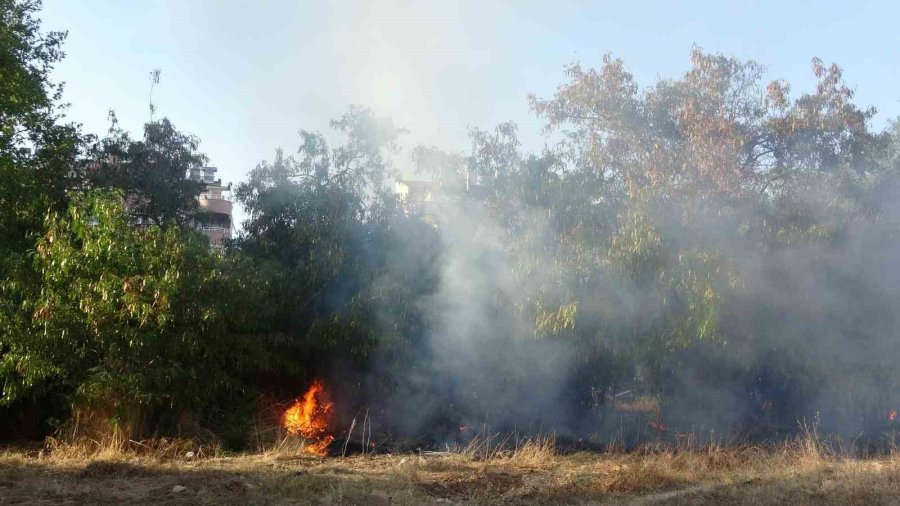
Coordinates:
[131,324]
[151,171]
[36,151]
[307,215]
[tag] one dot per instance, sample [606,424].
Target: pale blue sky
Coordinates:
[245,76]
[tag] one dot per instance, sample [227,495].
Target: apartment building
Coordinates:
[218,225]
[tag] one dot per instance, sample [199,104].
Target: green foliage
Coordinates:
[123,317]
[26,94]
[316,232]
[151,172]
[710,229]
[36,152]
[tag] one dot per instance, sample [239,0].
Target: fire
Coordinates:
[308,418]
[892,415]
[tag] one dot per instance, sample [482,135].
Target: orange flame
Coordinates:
[308,418]
[892,415]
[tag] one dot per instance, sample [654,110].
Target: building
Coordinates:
[213,201]
[424,198]
[417,197]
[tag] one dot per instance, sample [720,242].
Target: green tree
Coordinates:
[36,151]
[37,156]
[315,233]
[718,181]
[152,172]
[128,323]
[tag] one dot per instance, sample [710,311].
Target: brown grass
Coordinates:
[491,470]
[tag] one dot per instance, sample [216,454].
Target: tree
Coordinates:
[128,323]
[313,233]
[152,172]
[720,185]
[36,151]
[37,155]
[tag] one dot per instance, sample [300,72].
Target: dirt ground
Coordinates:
[536,475]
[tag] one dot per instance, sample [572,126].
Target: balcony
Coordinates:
[215,204]
[214,228]
[216,235]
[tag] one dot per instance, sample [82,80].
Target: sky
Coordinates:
[244,76]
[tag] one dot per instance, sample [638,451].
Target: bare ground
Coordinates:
[794,474]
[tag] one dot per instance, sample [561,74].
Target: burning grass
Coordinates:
[309,418]
[488,471]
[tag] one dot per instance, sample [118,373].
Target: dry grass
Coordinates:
[491,470]
[643,404]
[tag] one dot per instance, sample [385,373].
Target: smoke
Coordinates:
[478,361]
[805,330]
[549,296]
[496,369]
[410,61]
[808,329]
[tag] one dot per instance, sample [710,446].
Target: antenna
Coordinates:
[154,80]
[113,121]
